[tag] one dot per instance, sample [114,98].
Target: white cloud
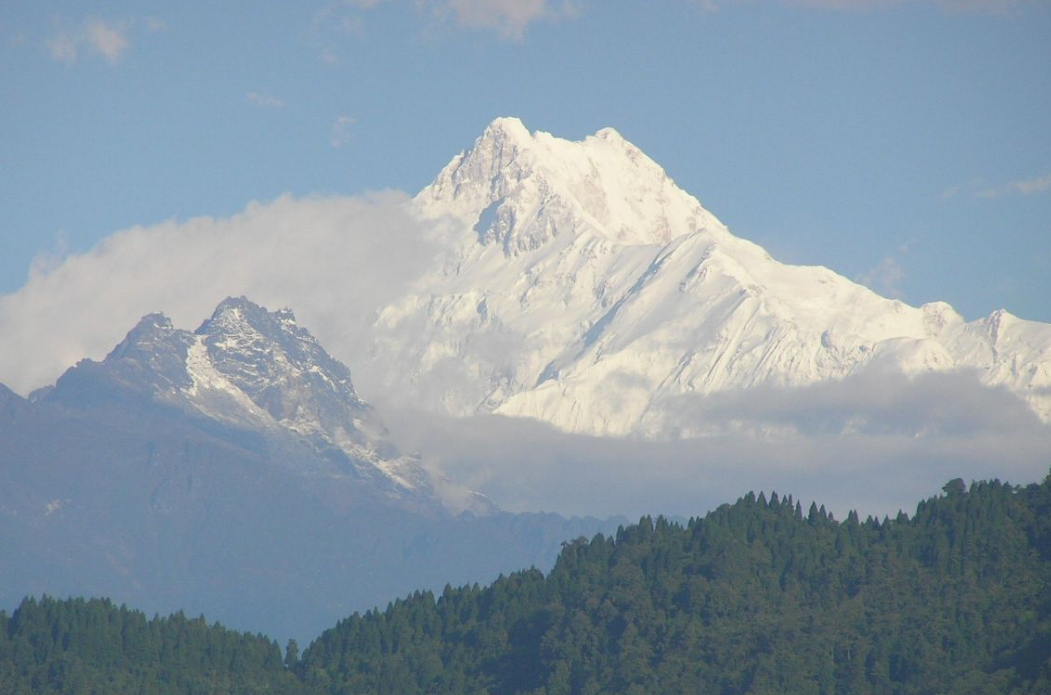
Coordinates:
[108,39]
[884,278]
[105,38]
[1040,184]
[341,131]
[1031,186]
[333,260]
[266,100]
[986,6]
[334,23]
[63,48]
[873,444]
[509,18]
[155,25]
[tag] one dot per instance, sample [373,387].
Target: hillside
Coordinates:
[760,596]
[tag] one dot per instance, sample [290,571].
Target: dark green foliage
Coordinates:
[86,647]
[755,598]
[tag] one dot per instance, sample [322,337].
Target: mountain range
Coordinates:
[227,470]
[224,469]
[581,287]
[254,370]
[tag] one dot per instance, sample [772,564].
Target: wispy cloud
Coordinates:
[108,39]
[978,188]
[1040,184]
[265,100]
[509,18]
[155,25]
[886,276]
[63,48]
[341,131]
[1001,7]
[334,23]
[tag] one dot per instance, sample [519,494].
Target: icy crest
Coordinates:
[520,190]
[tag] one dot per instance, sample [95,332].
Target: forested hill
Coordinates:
[94,647]
[758,597]
[761,596]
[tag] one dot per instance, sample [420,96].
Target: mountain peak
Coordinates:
[150,324]
[586,289]
[240,322]
[610,134]
[259,371]
[521,190]
[506,128]
[235,303]
[150,329]
[238,310]
[257,349]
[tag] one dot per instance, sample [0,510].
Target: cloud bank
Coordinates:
[333,260]
[875,442]
[876,445]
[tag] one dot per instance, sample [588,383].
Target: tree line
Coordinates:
[759,596]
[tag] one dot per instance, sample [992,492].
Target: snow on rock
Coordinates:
[260,371]
[519,190]
[582,287]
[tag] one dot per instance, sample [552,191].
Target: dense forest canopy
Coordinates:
[92,646]
[761,596]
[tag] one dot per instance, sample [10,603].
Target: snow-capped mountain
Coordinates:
[233,470]
[582,287]
[259,371]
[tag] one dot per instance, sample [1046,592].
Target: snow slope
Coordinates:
[583,288]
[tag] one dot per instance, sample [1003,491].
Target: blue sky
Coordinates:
[903,143]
